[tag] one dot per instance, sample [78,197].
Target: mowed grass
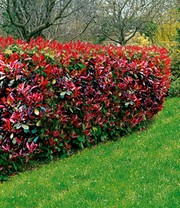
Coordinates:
[139,170]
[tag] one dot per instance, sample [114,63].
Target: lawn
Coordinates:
[139,170]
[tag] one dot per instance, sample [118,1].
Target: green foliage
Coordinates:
[178,37]
[99,39]
[149,30]
[8,28]
[174,89]
[175,62]
[178,29]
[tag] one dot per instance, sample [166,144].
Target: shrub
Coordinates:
[175,64]
[174,89]
[55,98]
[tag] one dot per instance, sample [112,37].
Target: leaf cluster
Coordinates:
[56,98]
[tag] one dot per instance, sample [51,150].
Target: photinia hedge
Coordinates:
[56,98]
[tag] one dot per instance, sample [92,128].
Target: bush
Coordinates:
[56,98]
[175,64]
[174,89]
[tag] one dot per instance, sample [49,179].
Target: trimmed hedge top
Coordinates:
[58,97]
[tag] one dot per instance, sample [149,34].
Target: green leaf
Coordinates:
[83,127]
[81,145]
[26,130]
[14,141]
[94,129]
[36,111]
[8,51]
[81,65]
[38,123]
[14,166]
[129,103]
[17,126]
[25,127]
[54,81]
[62,94]
[3,77]
[102,138]
[11,82]
[68,92]
[11,136]
[33,131]
[81,138]
[3,178]
[35,139]
[63,156]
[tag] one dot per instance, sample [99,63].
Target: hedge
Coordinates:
[174,90]
[56,98]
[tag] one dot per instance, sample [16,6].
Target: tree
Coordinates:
[77,25]
[120,20]
[167,30]
[31,18]
[149,30]
[178,29]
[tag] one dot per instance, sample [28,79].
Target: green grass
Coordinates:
[140,170]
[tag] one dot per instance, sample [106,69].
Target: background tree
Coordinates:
[32,18]
[149,29]
[178,29]
[167,28]
[120,20]
[89,20]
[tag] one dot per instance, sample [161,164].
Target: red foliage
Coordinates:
[55,97]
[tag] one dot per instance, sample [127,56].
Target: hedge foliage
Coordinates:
[174,90]
[55,98]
